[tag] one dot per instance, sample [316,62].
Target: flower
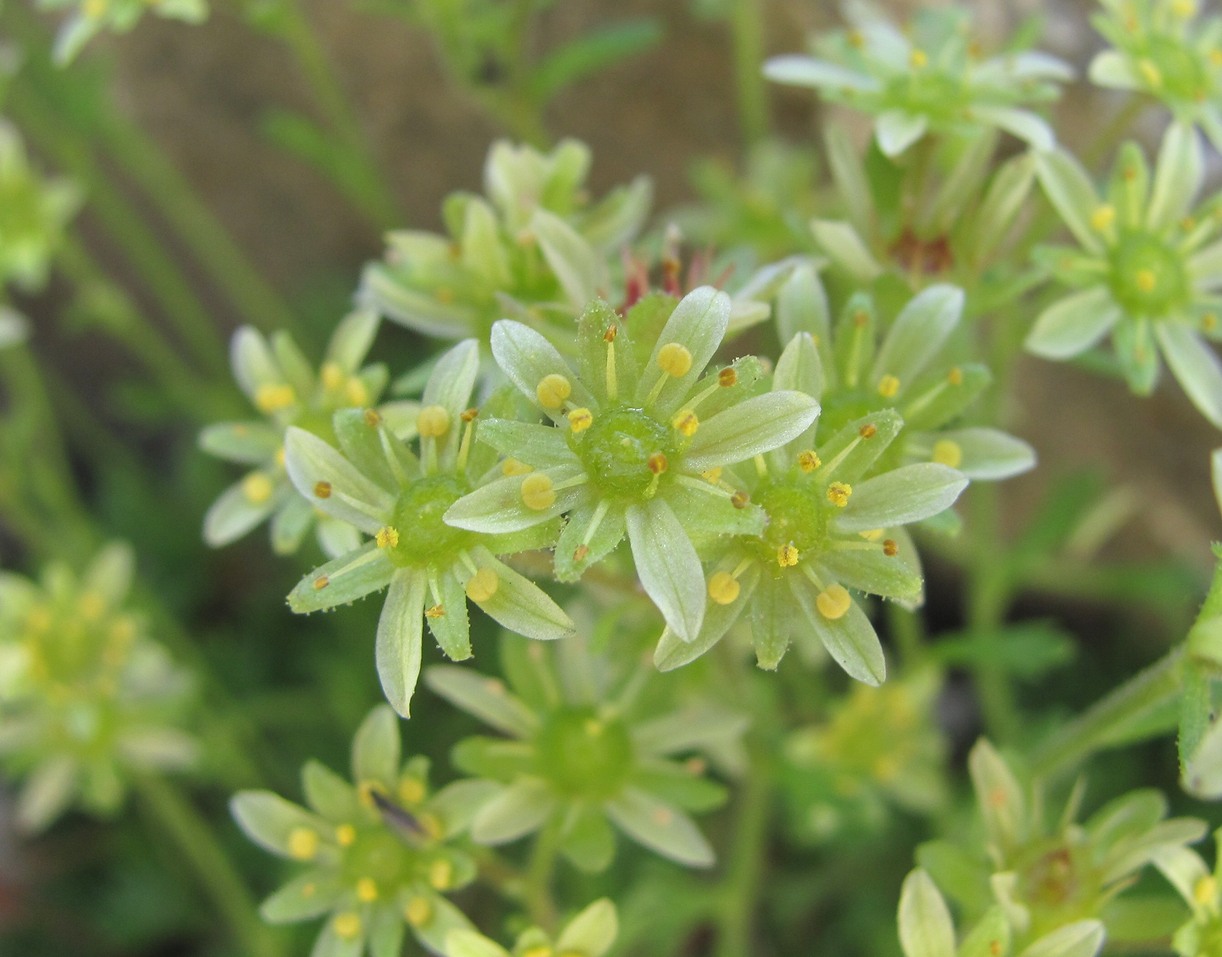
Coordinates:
[90,17]
[87,698]
[375,850]
[1201,889]
[930,79]
[1147,270]
[430,570]
[535,248]
[587,749]
[589,934]
[278,380]
[637,435]
[14,327]
[1043,878]
[828,528]
[33,213]
[1162,48]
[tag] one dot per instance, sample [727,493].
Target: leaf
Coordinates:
[590,53]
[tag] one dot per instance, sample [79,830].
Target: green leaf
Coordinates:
[925,927]
[590,53]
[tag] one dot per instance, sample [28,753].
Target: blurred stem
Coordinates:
[539,871]
[747,26]
[906,631]
[1105,723]
[745,868]
[192,835]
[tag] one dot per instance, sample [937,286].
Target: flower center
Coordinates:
[1168,65]
[1147,278]
[378,856]
[620,451]
[584,755]
[797,519]
[422,537]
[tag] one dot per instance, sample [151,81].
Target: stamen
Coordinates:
[838,493]
[723,589]
[257,488]
[1146,280]
[464,446]
[322,489]
[1150,73]
[332,376]
[686,423]
[345,835]
[347,925]
[303,843]
[787,555]
[321,582]
[366,890]
[437,611]
[918,59]
[373,418]
[355,392]
[808,460]
[675,360]
[581,419]
[418,911]
[888,386]
[271,398]
[441,874]
[512,466]
[552,390]
[387,537]
[955,376]
[868,431]
[433,421]
[727,377]
[411,791]
[610,375]
[483,585]
[872,534]
[713,475]
[833,602]
[947,452]
[890,548]
[761,467]
[657,463]
[600,512]
[1103,217]
[538,492]
[740,499]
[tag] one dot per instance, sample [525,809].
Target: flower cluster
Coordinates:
[1147,268]
[589,934]
[1201,889]
[33,213]
[928,79]
[281,385]
[87,698]
[91,17]
[375,851]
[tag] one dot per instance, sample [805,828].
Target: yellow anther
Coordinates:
[947,452]
[444,295]
[441,874]
[861,318]
[345,835]
[918,59]
[271,398]
[1150,73]
[955,376]
[347,925]
[580,553]
[387,536]
[1146,280]
[537,492]
[514,467]
[1188,224]
[356,392]
[552,390]
[280,456]
[332,376]
[890,548]
[1185,9]
[482,585]
[855,39]
[322,489]
[1209,321]
[432,421]
[469,415]
[740,499]
[833,602]
[868,431]
[787,555]
[541,951]
[662,816]
[321,582]
[1205,890]
[1215,57]
[724,588]
[96,9]
[838,493]
[366,890]
[91,605]
[675,360]
[309,890]
[611,333]
[581,419]
[1103,217]
[418,911]
[411,790]
[713,475]
[657,463]
[303,843]
[885,767]
[808,460]
[437,611]
[727,377]
[686,423]
[888,386]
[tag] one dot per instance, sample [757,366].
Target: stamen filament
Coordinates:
[600,512]
[464,446]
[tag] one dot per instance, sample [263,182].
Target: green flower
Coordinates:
[90,17]
[1201,935]
[281,385]
[375,850]
[928,79]
[33,212]
[376,484]
[635,432]
[589,934]
[534,249]
[86,697]
[1147,270]
[1045,877]
[586,750]
[828,529]
[1162,48]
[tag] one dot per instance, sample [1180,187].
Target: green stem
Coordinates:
[1106,722]
[746,23]
[191,834]
[539,871]
[745,870]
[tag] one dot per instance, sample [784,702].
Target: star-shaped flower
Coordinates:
[1147,270]
[90,17]
[33,213]
[637,433]
[376,484]
[589,934]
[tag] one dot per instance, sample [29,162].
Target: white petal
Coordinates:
[1195,365]
[925,925]
[1021,123]
[699,324]
[400,640]
[807,71]
[753,426]
[660,827]
[667,565]
[903,495]
[896,130]
[1071,191]
[918,332]
[1177,177]
[1073,324]
[309,460]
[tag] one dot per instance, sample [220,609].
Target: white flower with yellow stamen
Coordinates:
[378,486]
[652,423]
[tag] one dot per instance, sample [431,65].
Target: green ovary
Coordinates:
[584,755]
[1179,72]
[795,517]
[616,451]
[380,856]
[423,537]
[1148,277]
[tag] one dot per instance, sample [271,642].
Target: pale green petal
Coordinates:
[327,793]
[449,624]
[483,697]
[1205,266]
[989,454]
[694,728]
[799,368]
[660,827]
[14,327]
[795,70]
[925,925]
[698,323]
[526,357]
[110,572]
[673,652]
[497,508]
[268,820]
[583,542]
[1070,190]
[1215,472]
[330,944]
[376,747]
[294,366]
[386,932]
[520,808]
[667,565]
[47,793]
[871,571]
[1021,123]
[853,188]
[1082,938]
[896,130]
[750,427]
[399,641]
[252,361]
[1073,324]
[1112,68]
[480,247]
[468,943]
[774,620]
[446,919]
[450,384]
[801,306]
[918,333]
[352,339]
[576,264]
[343,580]
[903,495]
[592,932]
[312,894]
[998,797]
[249,443]
[618,217]
[1177,177]
[381,290]
[541,446]
[1195,365]
[353,499]
[850,639]
[841,243]
[1183,868]
[522,606]
[233,514]
[335,538]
